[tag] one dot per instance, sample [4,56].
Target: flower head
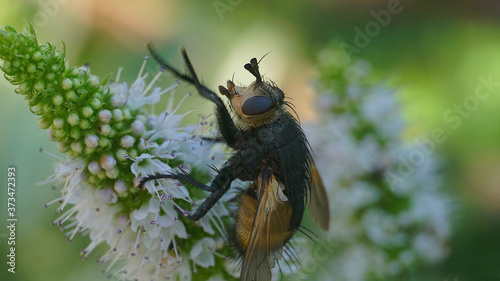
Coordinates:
[389,217]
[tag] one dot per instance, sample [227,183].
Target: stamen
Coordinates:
[69,226]
[112,263]
[170,103]
[156,191]
[93,244]
[46,205]
[175,250]
[142,67]
[118,74]
[180,103]
[218,254]
[74,232]
[136,242]
[66,216]
[219,225]
[156,219]
[51,154]
[120,229]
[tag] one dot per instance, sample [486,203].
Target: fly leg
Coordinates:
[219,186]
[225,123]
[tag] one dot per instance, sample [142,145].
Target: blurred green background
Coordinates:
[434,53]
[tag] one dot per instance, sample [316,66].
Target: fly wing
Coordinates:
[269,230]
[318,205]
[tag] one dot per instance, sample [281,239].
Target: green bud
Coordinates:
[117,115]
[87,111]
[67,84]
[62,147]
[50,134]
[104,142]
[126,114]
[58,123]
[57,55]
[60,133]
[16,63]
[23,87]
[77,83]
[23,76]
[75,132]
[76,71]
[89,150]
[6,65]
[97,95]
[46,108]
[31,68]
[93,81]
[119,126]
[105,129]
[81,92]
[120,154]
[112,174]
[39,85]
[73,118]
[132,153]
[102,175]
[70,95]
[55,67]
[95,104]
[50,76]
[58,100]
[37,56]
[36,109]
[43,123]
[93,179]
[84,124]
[77,147]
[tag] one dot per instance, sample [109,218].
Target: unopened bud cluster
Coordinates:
[75,107]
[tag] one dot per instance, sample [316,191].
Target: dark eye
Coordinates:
[257,105]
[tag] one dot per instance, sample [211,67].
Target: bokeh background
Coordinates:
[434,53]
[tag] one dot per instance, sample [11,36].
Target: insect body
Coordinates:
[272,153]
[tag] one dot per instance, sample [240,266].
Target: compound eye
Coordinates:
[257,105]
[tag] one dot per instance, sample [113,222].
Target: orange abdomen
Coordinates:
[279,216]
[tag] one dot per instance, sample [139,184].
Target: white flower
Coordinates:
[147,241]
[138,92]
[201,253]
[386,208]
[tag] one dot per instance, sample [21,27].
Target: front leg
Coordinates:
[219,186]
[228,130]
[181,176]
[191,78]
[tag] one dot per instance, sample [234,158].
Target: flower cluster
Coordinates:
[112,141]
[388,211]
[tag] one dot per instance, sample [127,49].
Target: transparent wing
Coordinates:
[318,204]
[269,230]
